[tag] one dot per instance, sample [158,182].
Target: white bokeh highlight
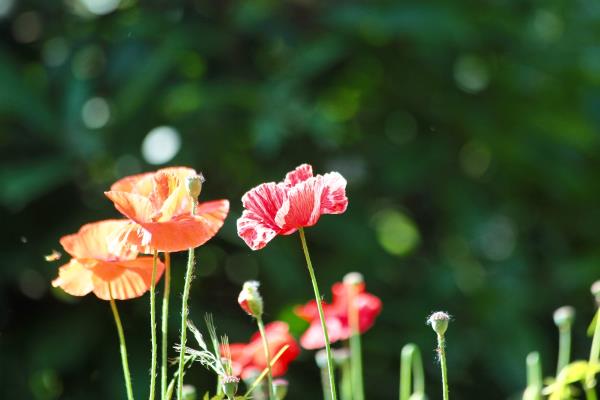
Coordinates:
[160,145]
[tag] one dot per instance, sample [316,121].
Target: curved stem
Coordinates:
[442,354]
[321,315]
[189,275]
[165,327]
[153,326]
[263,335]
[411,372]
[122,346]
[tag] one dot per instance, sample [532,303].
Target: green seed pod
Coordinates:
[439,322]
[230,385]
[194,185]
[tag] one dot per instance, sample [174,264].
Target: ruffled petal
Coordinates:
[133,206]
[253,231]
[127,279]
[300,174]
[264,201]
[333,196]
[302,206]
[92,241]
[75,278]
[182,232]
[139,184]
[369,306]
[313,337]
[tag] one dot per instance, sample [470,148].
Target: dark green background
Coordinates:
[475,123]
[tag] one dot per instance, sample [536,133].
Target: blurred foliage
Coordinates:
[468,132]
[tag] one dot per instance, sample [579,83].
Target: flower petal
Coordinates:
[255,233]
[300,174]
[92,241]
[75,278]
[184,231]
[265,200]
[131,205]
[313,337]
[127,279]
[333,196]
[302,206]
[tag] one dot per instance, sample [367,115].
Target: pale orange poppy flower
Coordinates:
[159,207]
[96,268]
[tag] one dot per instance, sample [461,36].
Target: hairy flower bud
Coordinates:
[230,385]
[194,185]
[439,322]
[564,317]
[353,278]
[281,388]
[250,299]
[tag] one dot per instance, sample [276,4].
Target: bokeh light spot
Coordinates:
[471,74]
[27,27]
[95,113]
[498,238]
[396,232]
[475,159]
[101,7]
[88,62]
[160,145]
[547,25]
[6,7]
[55,52]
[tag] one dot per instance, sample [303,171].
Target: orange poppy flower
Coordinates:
[159,206]
[96,268]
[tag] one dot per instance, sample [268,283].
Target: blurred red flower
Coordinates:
[249,358]
[273,209]
[159,206]
[336,315]
[95,268]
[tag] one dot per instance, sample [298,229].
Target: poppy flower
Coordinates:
[282,208]
[247,358]
[336,315]
[160,208]
[96,268]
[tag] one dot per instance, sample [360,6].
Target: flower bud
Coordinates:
[280,387]
[564,317]
[193,184]
[230,385]
[353,279]
[595,289]
[321,359]
[189,392]
[250,299]
[439,322]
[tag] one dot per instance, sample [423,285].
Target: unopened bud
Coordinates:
[353,278]
[280,386]
[193,184]
[250,299]
[564,316]
[321,359]
[189,392]
[230,385]
[439,322]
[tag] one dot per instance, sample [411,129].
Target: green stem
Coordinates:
[189,275]
[411,365]
[590,394]
[153,326]
[165,327]
[122,346]
[263,335]
[590,382]
[534,377]
[346,382]
[321,315]
[442,354]
[355,348]
[325,384]
[564,348]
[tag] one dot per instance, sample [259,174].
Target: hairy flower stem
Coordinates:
[330,370]
[442,355]
[122,346]
[590,382]
[189,275]
[263,335]
[153,326]
[355,348]
[165,327]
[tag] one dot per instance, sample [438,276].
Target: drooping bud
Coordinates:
[189,392]
[280,387]
[193,184]
[595,289]
[230,385]
[439,322]
[564,317]
[250,299]
[353,279]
